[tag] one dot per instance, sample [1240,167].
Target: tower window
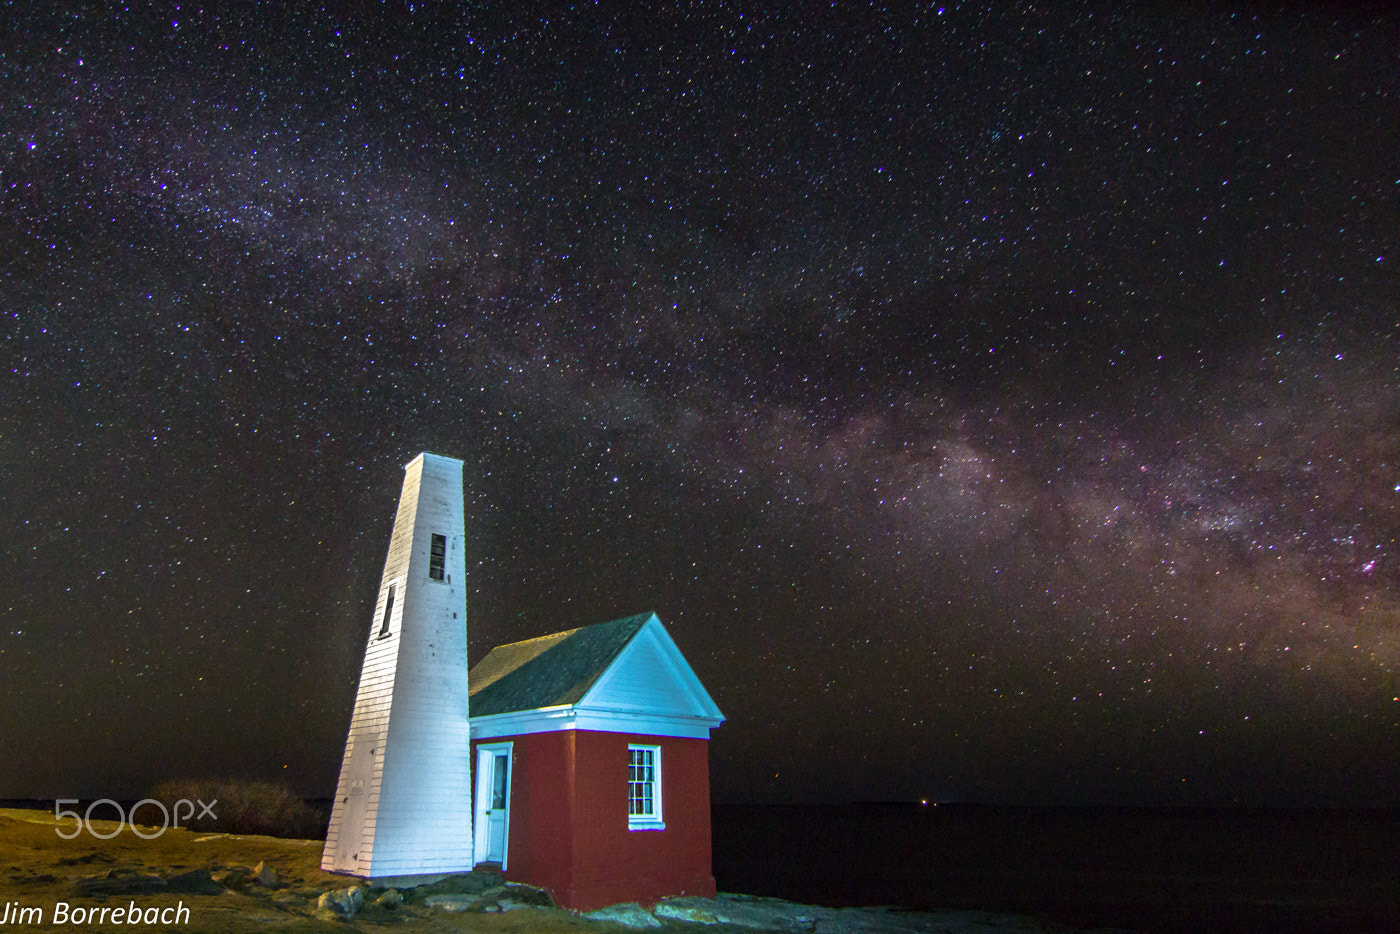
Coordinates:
[437,557]
[388,613]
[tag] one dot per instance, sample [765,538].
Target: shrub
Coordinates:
[245,807]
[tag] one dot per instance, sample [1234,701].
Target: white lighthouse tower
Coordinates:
[403,804]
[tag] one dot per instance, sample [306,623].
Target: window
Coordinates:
[644,788]
[388,613]
[437,557]
[499,772]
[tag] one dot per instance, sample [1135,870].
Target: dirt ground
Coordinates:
[39,869]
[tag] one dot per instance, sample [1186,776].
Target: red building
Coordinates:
[592,764]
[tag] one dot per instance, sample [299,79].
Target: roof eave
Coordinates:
[599,719]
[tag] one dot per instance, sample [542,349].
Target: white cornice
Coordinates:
[573,717]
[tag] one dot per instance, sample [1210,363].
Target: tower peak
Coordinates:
[424,455]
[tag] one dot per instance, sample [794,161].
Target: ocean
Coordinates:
[1155,870]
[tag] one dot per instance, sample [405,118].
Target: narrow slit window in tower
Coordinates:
[388,613]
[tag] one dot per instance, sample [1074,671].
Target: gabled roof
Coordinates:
[627,668]
[548,671]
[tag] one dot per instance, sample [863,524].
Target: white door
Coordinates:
[492,803]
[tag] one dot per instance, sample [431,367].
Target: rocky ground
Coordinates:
[235,883]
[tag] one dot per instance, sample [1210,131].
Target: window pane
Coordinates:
[437,557]
[388,612]
[498,782]
[641,782]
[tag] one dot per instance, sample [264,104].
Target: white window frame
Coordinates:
[652,821]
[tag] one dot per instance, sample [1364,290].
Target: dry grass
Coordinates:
[38,868]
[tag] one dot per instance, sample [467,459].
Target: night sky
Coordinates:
[996,406]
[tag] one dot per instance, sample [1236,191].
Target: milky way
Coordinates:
[995,405]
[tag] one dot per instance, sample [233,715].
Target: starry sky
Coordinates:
[996,404]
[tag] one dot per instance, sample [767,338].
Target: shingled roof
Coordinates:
[548,671]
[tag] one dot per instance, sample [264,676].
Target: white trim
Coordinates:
[481,841]
[676,666]
[656,820]
[571,717]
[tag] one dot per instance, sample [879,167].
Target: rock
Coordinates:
[528,896]
[490,878]
[120,882]
[764,914]
[510,904]
[683,909]
[340,904]
[454,902]
[463,883]
[627,914]
[232,877]
[264,875]
[194,882]
[390,899]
